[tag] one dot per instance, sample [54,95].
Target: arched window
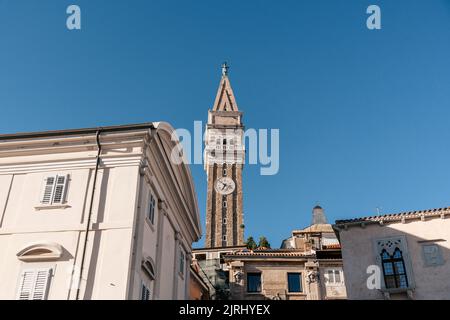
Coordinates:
[394,270]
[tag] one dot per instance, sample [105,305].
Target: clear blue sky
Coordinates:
[363,115]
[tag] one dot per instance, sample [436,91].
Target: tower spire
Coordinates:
[225,100]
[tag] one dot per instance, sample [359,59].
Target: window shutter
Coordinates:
[26,285]
[337,276]
[47,193]
[41,284]
[330,276]
[145,292]
[34,284]
[60,189]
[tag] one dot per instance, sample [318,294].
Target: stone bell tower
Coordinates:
[224,159]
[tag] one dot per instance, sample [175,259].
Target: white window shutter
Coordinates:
[26,285]
[47,192]
[34,284]
[41,284]
[60,189]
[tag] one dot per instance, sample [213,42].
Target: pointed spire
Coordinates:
[318,215]
[225,100]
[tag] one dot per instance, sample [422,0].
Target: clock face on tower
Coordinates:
[225,185]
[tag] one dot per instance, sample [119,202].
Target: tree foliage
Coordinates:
[250,243]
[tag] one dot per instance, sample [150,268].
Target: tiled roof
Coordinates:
[333,246]
[315,228]
[273,253]
[399,216]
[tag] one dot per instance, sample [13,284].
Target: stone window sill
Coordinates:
[51,206]
[408,291]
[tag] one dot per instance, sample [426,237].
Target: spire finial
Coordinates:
[225,68]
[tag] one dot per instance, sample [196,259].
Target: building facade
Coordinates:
[198,288]
[397,256]
[99,213]
[307,267]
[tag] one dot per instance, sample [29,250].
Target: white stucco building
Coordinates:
[102,207]
[397,256]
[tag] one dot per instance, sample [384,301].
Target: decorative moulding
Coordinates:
[40,252]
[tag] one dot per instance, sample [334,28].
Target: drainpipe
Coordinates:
[91,205]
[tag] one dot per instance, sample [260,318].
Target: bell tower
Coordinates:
[224,158]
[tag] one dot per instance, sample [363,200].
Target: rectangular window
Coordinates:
[151,209]
[182,259]
[337,276]
[54,190]
[224,238]
[225,204]
[254,282]
[224,173]
[224,220]
[34,284]
[145,292]
[294,282]
[333,276]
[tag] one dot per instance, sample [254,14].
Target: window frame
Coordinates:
[151,209]
[392,260]
[181,263]
[56,189]
[332,280]
[247,280]
[300,278]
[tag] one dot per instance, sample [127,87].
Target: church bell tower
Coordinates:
[224,159]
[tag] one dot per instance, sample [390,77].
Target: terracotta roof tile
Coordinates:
[273,253]
[398,216]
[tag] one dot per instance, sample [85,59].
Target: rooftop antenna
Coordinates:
[378,210]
